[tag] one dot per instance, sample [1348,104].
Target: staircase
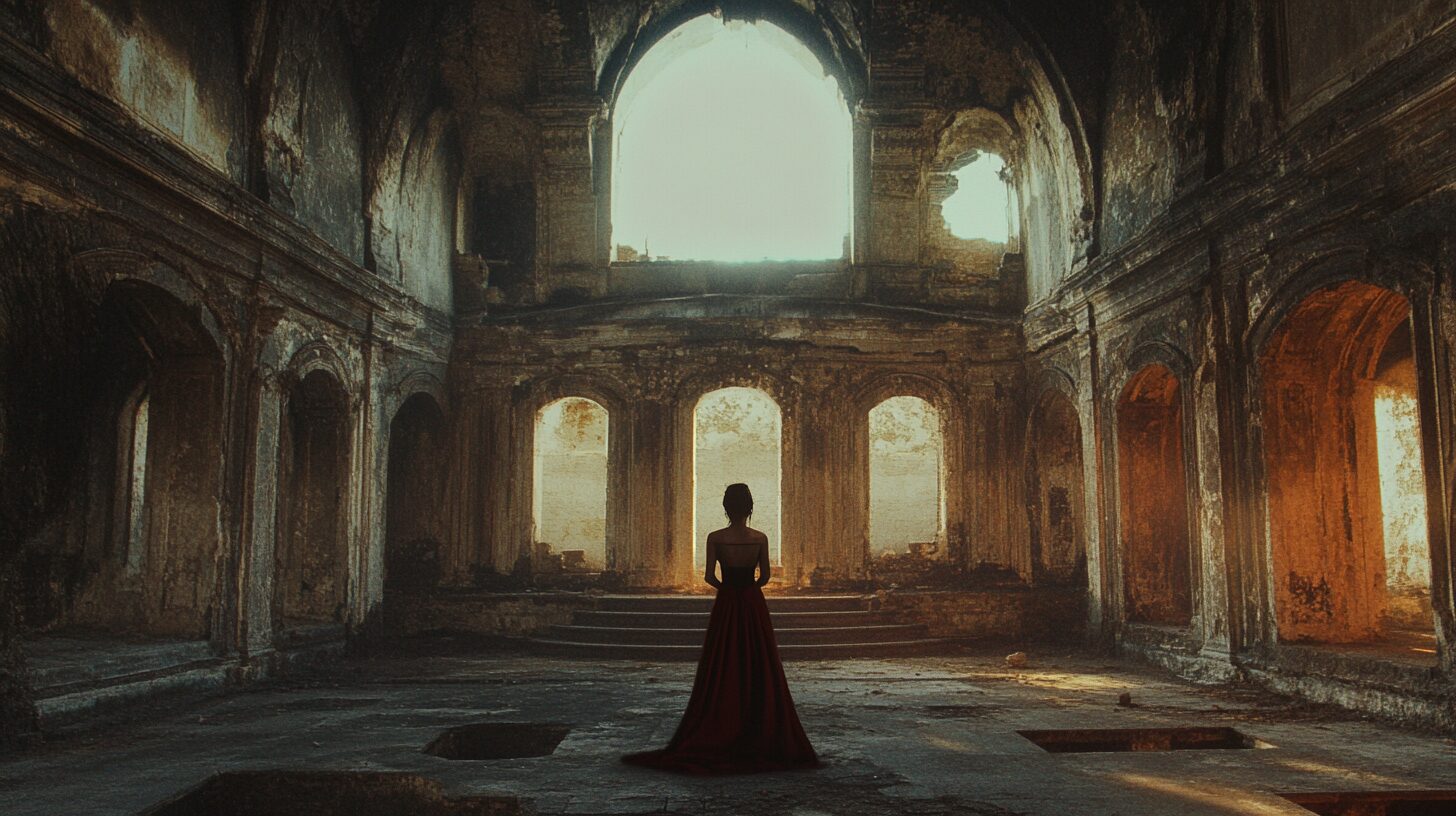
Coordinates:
[672,627]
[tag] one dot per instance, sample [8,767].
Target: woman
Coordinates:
[740,717]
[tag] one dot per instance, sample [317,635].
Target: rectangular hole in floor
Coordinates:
[1095,740]
[498,741]
[1377,803]
[327,793]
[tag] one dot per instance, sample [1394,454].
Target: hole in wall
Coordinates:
[978,206]
[327,793]
[498,741]
[1106,740]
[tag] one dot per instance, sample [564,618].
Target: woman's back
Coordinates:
[738,546]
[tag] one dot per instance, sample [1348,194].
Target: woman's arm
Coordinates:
[763,565]
[709,571]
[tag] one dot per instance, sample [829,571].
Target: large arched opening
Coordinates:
[1153,500]
[1343,465]
[571,472]
[906,479]
[737,437]
[731,142]
[165,412]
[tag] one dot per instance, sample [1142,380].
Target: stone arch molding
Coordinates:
[820,33]
[1155,352]
[693,389]
[604,391]
[108,266]
[936,392]
[418,381]
[318,355]
[1052,380]
[1413,281]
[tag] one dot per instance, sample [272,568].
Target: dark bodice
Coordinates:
[737,576]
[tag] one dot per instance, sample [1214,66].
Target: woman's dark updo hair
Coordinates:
[737,501]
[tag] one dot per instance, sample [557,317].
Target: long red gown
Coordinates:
[740,717]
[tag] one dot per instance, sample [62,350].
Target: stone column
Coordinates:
[1103,591]
[1433,317]
[261,515]
[567,224]
[658,546]
[893,220]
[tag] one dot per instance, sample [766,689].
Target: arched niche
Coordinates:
[311,569]
[1153,513]
[1056,505]
[414,501]
[1343,471]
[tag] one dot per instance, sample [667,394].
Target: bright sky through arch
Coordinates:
[732,144]
[978,207]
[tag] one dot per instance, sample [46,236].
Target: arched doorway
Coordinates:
[413,500]
[311,571]
[737,437]
[571,471]
[906,479]
[730,143]
[1057,507]
[1345,477]
[1153,500]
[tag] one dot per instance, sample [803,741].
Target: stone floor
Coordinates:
[910,735]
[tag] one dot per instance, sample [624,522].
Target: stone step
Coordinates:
[694,637]
[702,603]
[817,651]
[63,662]
[699,620]
[76,677]
[68,703]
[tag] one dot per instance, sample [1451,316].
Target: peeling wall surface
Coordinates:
[345,254]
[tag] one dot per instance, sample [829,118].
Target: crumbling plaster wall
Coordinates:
[537,140]
[146,189]
[172,69]
[311,142]
[1226,202]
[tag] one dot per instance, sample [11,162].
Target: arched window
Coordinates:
[907,478]
[732,144]
[571,483]
[736,438]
